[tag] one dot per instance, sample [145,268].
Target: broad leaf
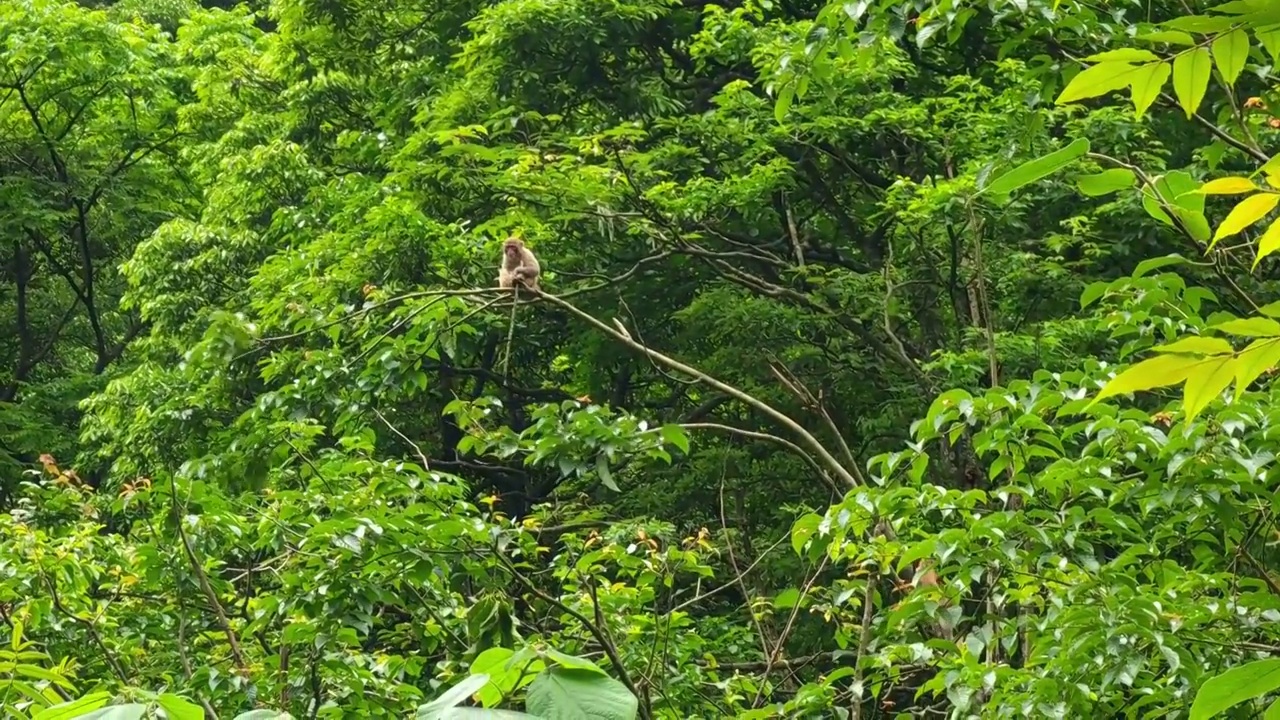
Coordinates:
[1196,344]
[1249,327]
[1259,357]
[1170,37]
[180,708]
[1191,72]
[1106,182]
[74,708]
[1268,243]
[130,711]
[1245,213]
[1146,85]
[1159,371]
[1229,186]
[1097,80]
[1034,170]
[1206,382]
[1235,686]
[435,710]
[1123,55]
[1230,51]
[568,694]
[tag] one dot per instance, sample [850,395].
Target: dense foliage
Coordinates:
[852,391]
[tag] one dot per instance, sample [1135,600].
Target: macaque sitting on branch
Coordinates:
[519,268]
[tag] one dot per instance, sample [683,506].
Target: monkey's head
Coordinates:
[513,250]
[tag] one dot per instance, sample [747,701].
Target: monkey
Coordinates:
[519,267]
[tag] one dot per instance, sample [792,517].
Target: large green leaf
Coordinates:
[180,708]
[436,709]
[1106,182]
[74,708]
[1034,170]
[1098,80]
[1159,371]
[1230,51]
[1191,71]
[130,711]
[1146,85]
[571,694]
[1235,686]
[1245,213]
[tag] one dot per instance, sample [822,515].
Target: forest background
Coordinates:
[853,392]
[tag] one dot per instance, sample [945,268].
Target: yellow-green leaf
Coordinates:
[1270,39]
[1159,371]
[1259,357]
[1191,71]
[1106,182]
[1268,243]
[1249,327]
[1146,85]
[1245,213]
[1205,383]
[1037,169]
[1097,80]
[1123,55]
[1197,344]
[1172,37]
[1230,52]
[1228,186]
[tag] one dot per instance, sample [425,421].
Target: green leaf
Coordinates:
[1245,213]
[1273,712]
[1235,686]
[1197,344]
[1259,357]
[602,470]
[1171,37]
[1106,182]
[787,598]
[436,709]
[785,96]
[572,662]
[567,694]
[73,708]
[1205,383]
[1092,292]
[1249,327]
[1034,170]
[1230,51]
[675,435]
[180,708]
[1191,71]
[1123,55]
[130,711]
[1150,264]
[1159,371]
[1268,243]
[1269,39]
[1229,186]
[1204,24]
[803,529]
[1097,80]
[262,714]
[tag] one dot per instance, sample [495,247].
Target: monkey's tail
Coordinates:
[511,331]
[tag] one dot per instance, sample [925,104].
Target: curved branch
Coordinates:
[806,438]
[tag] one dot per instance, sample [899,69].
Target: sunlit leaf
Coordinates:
[1206,382]
[1158,371]
[1037,169]
[1196,344]
[1230,51]
[1268,243]
[1235,686]
[1191,71]
[1132,55]
[74,708]
[1106,182]
[1146,85]
[1229,186]
[1097,80]
[567,694]
[1259,357]
[1249,327]
[1171,37]
[1245,213]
